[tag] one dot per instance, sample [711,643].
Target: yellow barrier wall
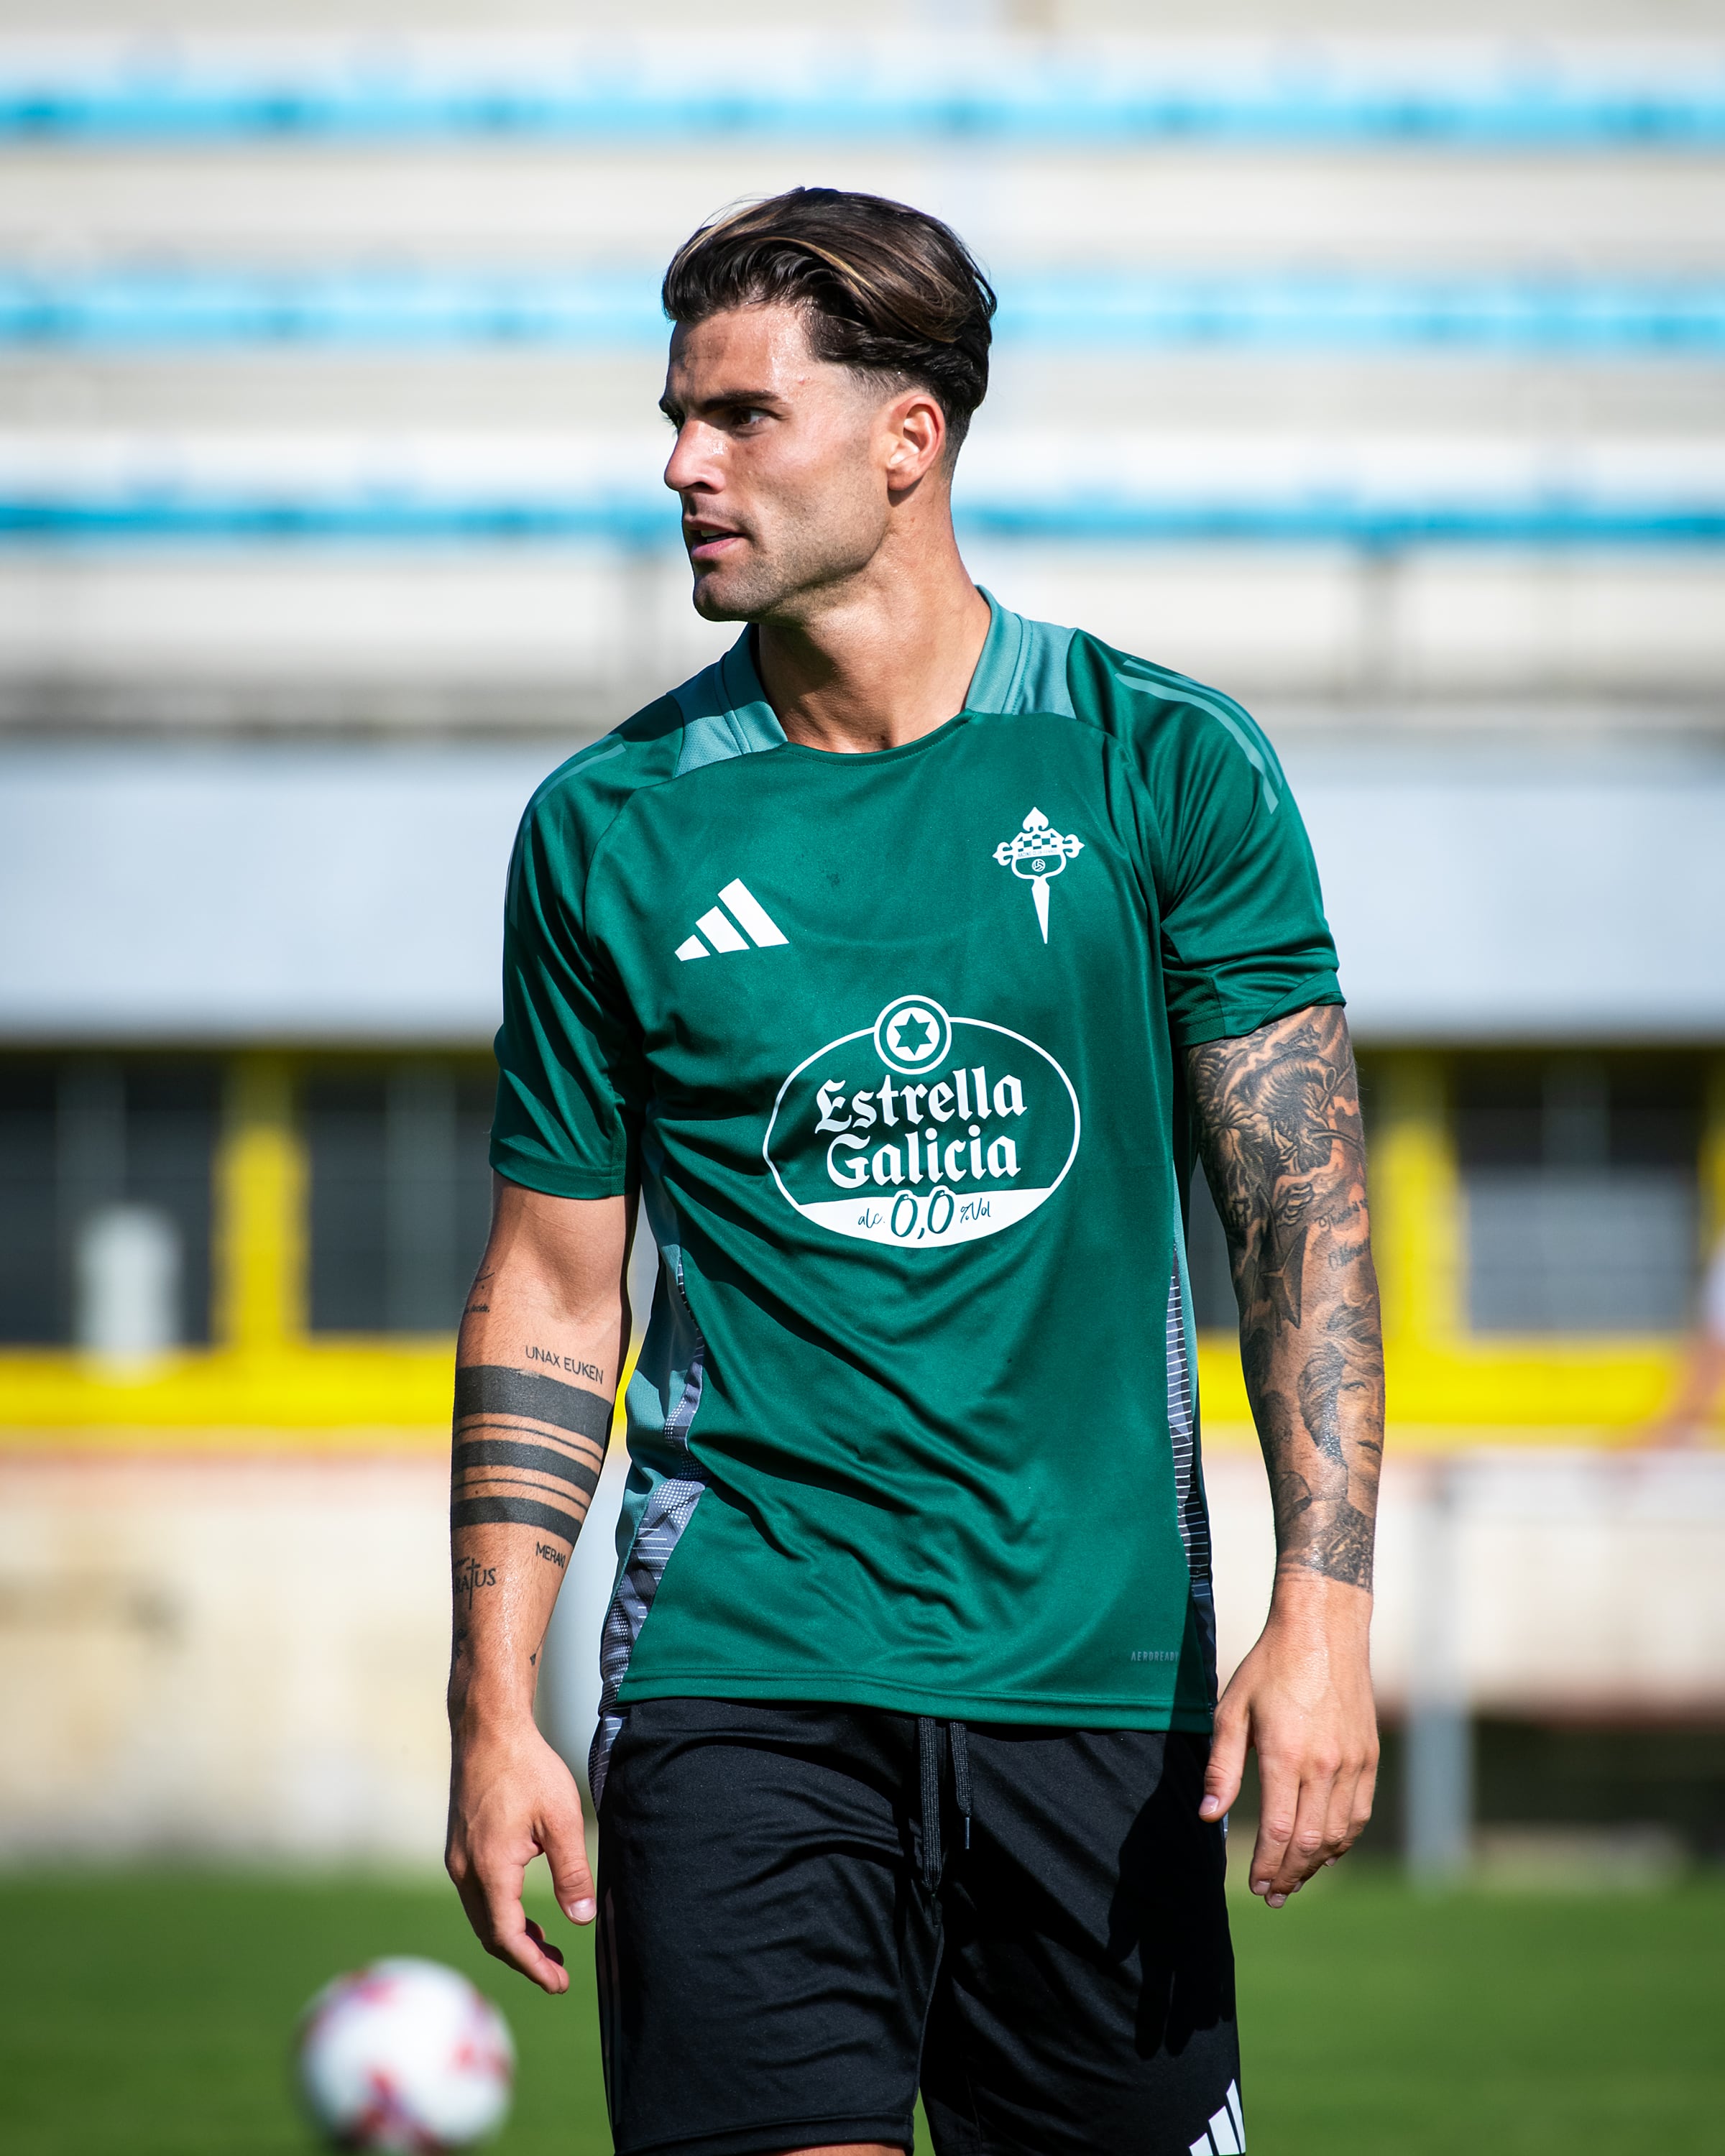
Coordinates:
[268,1384]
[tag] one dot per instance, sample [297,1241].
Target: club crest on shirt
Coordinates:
[922,1129]
[1038,853]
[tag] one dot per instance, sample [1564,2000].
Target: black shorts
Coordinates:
[806,1911]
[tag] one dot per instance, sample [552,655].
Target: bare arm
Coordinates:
[536,1368]
[1702,1374]
[1279,1127]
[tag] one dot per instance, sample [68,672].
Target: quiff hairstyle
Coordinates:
[885,289]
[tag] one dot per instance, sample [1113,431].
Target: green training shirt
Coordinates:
[892,1046]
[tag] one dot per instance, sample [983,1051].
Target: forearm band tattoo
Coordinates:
[528,1451]
[515,1512]
[507,1452]
[490,1389]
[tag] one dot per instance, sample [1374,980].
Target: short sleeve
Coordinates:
[570,1085]
[1244,940]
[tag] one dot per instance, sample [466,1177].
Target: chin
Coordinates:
[718,596]
[710,604]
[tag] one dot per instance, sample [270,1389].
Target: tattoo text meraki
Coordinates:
[1278,1126]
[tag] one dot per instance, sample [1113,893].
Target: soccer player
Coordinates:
[897,964]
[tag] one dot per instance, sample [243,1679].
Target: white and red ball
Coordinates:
[405,2056]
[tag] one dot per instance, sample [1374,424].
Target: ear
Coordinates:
[915,429]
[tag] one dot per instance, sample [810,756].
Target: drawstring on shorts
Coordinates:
[960,1740]
[928,1748]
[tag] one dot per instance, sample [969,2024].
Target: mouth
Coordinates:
[709,543]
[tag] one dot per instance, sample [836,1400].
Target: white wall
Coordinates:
[355,893]
[218,1656]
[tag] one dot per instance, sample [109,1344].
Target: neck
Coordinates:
[887,658]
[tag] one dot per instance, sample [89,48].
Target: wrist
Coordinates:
[484,1704]
[1301,1597]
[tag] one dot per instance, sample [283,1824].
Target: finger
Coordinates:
[1308,1844]
[1359,1811]
[491,1895]
[1278,1811]
[564,1841]
[544,1945]
[1365,1796]
[1223,1775]
[1338,1815]
[473,1903]
[511,1937]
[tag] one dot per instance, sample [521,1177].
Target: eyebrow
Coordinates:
[724,400]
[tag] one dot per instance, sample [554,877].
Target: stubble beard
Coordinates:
[791,584]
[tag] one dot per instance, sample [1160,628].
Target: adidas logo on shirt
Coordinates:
[1227,2133]
[758,929]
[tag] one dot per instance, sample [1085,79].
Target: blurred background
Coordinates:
[1368,362]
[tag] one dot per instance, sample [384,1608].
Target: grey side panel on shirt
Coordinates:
[1190,1509]
[669,1512]
[670,1507]
[664,1395]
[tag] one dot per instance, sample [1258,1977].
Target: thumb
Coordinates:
[564,1841]
[1227,1764]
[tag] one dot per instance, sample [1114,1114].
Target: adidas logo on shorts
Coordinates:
[758,928]
[1227,2133]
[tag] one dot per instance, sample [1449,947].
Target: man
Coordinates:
[894,962]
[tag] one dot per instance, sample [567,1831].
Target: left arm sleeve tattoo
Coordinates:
[1278,1128]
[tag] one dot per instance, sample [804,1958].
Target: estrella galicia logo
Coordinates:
[923,1129]
[913,1034]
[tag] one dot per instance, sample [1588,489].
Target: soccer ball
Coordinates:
[405,2056]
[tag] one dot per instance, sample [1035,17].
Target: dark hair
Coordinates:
[885,289]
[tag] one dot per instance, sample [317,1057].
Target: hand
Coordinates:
[511,1799]
[1302,1699]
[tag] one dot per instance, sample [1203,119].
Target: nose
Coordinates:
[691,462]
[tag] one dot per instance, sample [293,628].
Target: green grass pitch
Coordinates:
[149,2014]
